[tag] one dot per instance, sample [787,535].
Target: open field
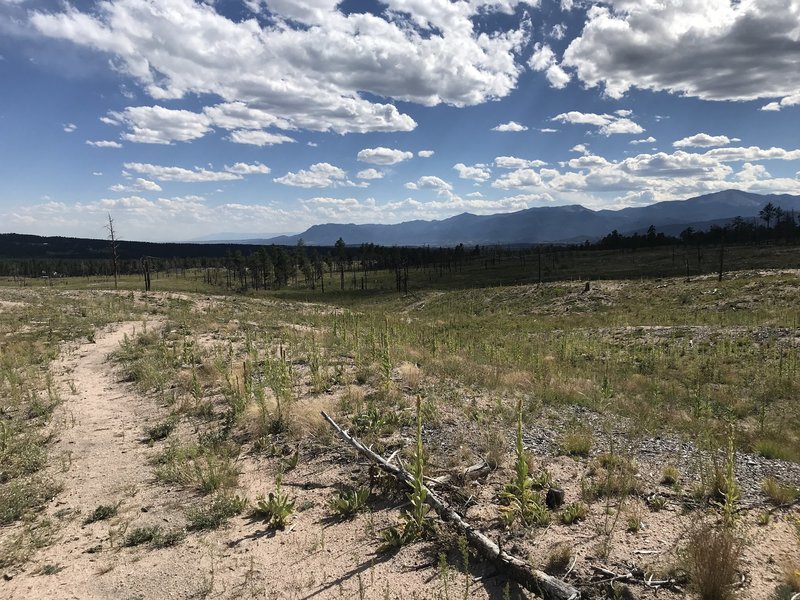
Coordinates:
[153,444]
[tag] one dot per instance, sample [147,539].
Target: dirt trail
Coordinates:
[102,460]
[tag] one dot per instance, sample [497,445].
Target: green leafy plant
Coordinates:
[347,503]
[573,513]
[521,503]
[414,518]
[276,509]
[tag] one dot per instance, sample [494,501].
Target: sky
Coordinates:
[182,119]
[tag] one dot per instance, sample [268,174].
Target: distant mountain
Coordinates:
[234,237]
[547,224]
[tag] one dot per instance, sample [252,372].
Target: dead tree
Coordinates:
[112,239]
[549,587]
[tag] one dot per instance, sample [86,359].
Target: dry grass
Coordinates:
[712,561]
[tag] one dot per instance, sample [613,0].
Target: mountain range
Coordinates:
[549,224]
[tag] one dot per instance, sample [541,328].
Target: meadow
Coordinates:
[664,407]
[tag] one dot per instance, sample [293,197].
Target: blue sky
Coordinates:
[183,119]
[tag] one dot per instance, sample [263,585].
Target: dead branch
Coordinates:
[515,568]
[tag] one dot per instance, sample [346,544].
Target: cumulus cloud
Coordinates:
[370,174]
[241,168]
[104,144]
[714,50]
[475,172]
[751,172]
[308,63]
[383,156]
[255,137]
[70,127]
[792,100]
[647,140]
[544,59]
[431,182]
[159,125]
[425,153]
[181,174]
[511,126]
[519,178]
[139,185]
[513,162]
[319,175]
[702,140]
[606,124]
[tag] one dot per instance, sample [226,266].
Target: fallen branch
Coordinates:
[515,568]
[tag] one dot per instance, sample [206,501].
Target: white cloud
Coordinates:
[425,153]
[606,124]
[474,195]
[702,140]
[104,144]
[512,162]
[311,70]
[474,172]
[383,156]
[520,178]
[139,185]
[258,138]
[70,127]
[751,172]
[320,175]
[159,125]
[548,130]
[714,50]
[431,182]
[647,140]
[238,115]
[370,174]
[581,148]
[241,168]
[511,126]
[559,31]
[179,173]
[544,59]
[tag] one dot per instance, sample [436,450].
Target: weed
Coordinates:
[161,431]
[558,559]
[216,513]
[670,475]
[521,502]
[167,539]
[656,502]
[414,518]
[347,503]
[102,513]
[576,443]
[573,513]
[275,509]
[142,535]
[778,492]
[711,559]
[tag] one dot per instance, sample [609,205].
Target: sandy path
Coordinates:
[102,461]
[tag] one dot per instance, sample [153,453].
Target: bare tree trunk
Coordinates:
[549,587]
[112,238]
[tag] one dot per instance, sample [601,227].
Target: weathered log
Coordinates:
[539,582]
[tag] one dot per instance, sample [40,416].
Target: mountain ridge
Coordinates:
[544,224]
